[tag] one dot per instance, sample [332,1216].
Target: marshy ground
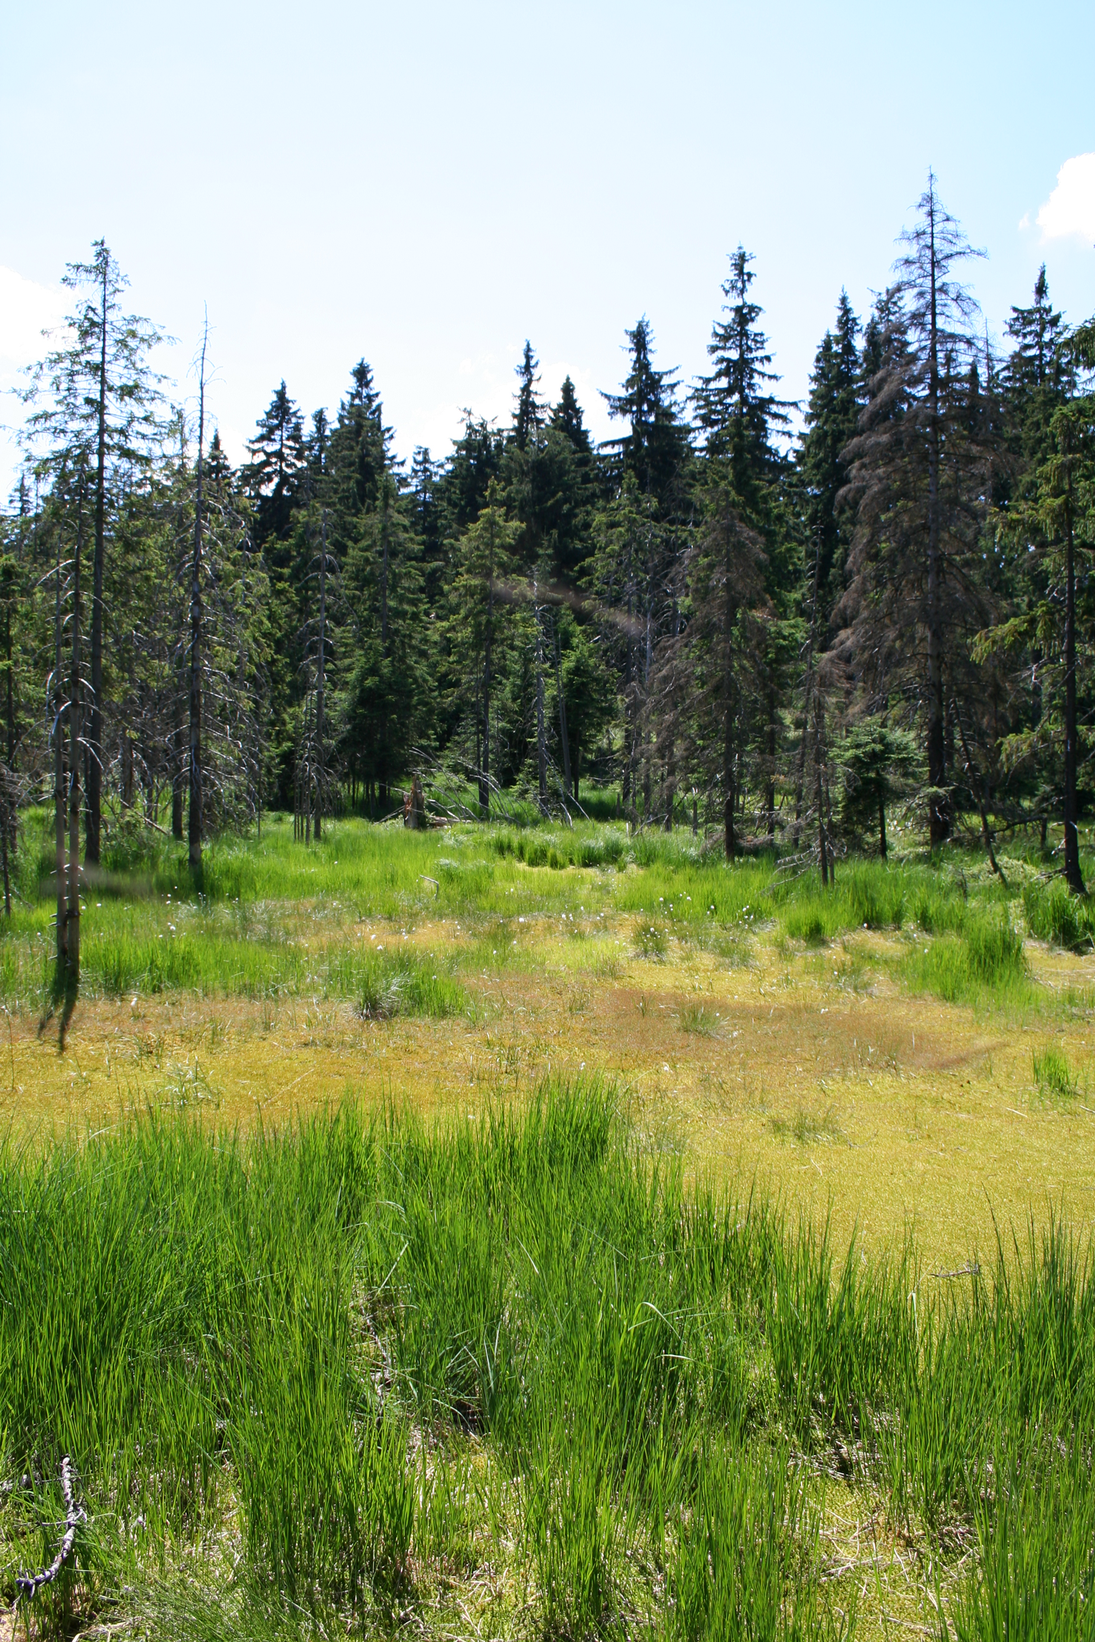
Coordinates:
[809,1064]
[908,1059]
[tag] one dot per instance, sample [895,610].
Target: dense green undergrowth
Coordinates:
[273,917]
[349,1373]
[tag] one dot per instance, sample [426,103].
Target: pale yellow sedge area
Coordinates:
[812,1072]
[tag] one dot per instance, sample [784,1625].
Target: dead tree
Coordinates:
[194,817]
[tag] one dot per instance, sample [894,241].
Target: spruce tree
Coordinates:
[573,485]
[738,414]
[831,419]
[273,475]
[1038,376]
[656,448]
[920,476]
[528,412]
[359,453]
[98,404]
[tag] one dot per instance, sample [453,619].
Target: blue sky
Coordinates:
[427,184]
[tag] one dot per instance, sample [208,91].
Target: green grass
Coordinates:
[984,963]
[1054,914]
[1053,1077]
[277,918]
[698,1019]
[807,1128]
[335,1378]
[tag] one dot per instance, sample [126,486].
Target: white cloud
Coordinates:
[1070,209]
[26,310]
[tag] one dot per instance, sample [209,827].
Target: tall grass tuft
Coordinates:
[985,963]
[1054,914]
[368,1356]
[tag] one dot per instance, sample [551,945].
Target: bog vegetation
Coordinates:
[521,1367]
[511,1378]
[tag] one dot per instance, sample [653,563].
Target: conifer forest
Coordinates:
[776,637]
[547,1072]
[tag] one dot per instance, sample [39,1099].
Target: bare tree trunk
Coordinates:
[321,677]
[385,500]
[4,829]
[127,772]
[1073,875]
[9,664]
[72,909]
[59,775]
[541,731]
[770,786]
[195,827]
[177,770]
[95,726]
[484,760]
[819,792]
[730,841]
[939,809]
[569,790]
[976,789]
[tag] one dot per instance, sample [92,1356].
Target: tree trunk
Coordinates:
[569,789]
[9,671]
[195,819]
[72,909]
[939,809]
[383,569]
[730,842]
[881,829]
[484,757]
[59,776]
[822,836]
[95,726]
[177,771]
[541,728]
[321,679]
[1073,876]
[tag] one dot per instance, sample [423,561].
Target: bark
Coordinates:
[484,757]
[938,815]
[822,840]
[194,819]
[59,774]
[541,729]
[976,789]
[383,574]
[177,771]
[95,724]
[321,677]
[1073,875]
[729,841]
[72,908]
[569,789]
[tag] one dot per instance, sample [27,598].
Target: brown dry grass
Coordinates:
[812,1072]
